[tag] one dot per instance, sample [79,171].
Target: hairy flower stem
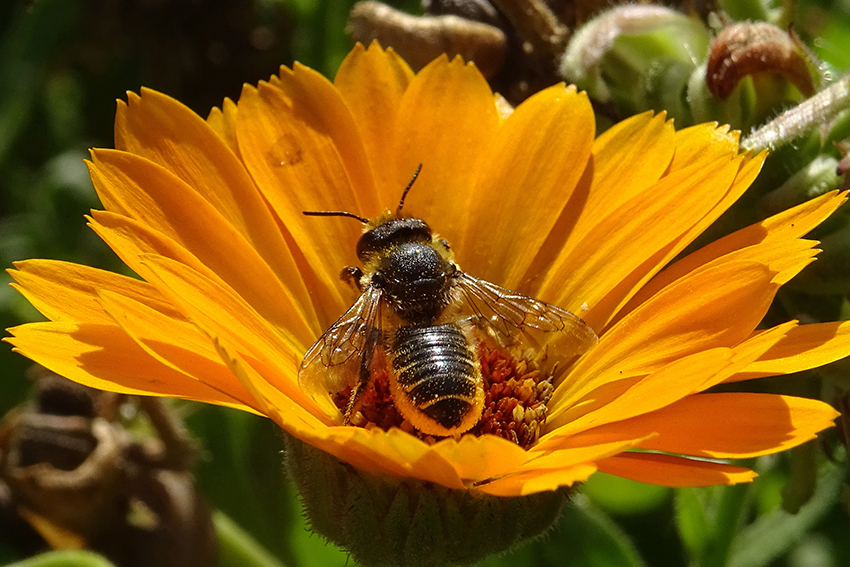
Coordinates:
[818,110]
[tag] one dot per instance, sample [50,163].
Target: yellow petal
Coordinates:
[166,132]
[446,120]
[593,217]
[681,378]
[622,294]
[67,292]
[619,157]
[372,82]
[293,158]
[406,455]
[287,413]
[132,240]
[554,127]
[729,425]
[104,357]
[175,343]
[392,452]
[715,307]
[561,462]
[618,251]
[223,122]
[703,143]
[584,411]
[668,470]
[631,156]
[776,230]
[538,481]
[476,458]
[803,348]
[587,446]
[137,188]
[221,314]
[308,89]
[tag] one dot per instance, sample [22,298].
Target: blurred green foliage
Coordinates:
[62,65]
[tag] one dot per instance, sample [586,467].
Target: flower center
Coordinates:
[515,400]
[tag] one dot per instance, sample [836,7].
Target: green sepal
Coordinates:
[383,520]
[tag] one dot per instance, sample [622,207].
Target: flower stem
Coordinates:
[816,111]
[236,548]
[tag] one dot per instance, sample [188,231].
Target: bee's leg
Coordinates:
[372,340]
[352,275]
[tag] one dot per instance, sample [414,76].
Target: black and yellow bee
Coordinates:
[421,318]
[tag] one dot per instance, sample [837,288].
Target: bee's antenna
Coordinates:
[335,214]
[407,189]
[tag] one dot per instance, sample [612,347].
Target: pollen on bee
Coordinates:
[515,400]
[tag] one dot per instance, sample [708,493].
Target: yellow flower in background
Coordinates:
[238,283]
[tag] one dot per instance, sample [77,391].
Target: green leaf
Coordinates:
[692,523]
[623,497]
[243,473]
[590,538]
[236,548]
[774,534]
[64,559]
[725,508]
[30,42]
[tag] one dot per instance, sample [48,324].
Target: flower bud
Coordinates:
[748,48]
[636,58]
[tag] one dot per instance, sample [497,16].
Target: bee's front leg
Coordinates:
[352,275]
[373,339]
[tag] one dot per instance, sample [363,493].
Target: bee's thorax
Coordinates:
[413,270]
[416,282]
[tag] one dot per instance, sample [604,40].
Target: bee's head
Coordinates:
[388,230]
[402,256]
[391,233]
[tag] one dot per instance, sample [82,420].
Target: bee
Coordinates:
[421,318]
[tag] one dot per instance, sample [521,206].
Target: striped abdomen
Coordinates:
[437,378]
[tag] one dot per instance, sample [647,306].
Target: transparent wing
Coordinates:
[520,318]
[333,362]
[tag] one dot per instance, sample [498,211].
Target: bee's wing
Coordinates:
[333,362]
[518,317]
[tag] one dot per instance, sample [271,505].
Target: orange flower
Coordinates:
[238,283]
